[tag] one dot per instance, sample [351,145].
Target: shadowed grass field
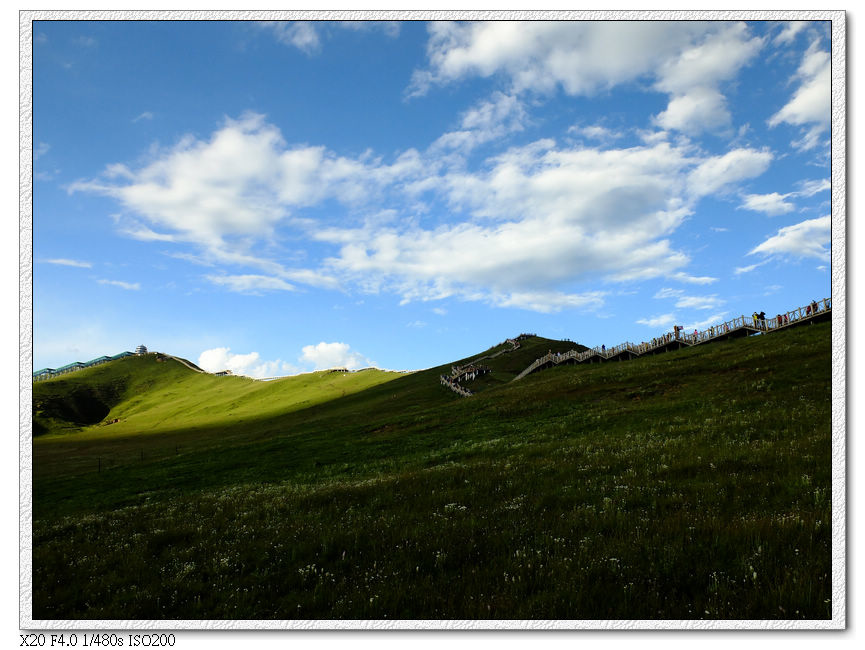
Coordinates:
[693,484]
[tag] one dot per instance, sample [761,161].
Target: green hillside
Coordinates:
[692,484]
[157,394]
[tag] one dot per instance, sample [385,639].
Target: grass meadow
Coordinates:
[689,485]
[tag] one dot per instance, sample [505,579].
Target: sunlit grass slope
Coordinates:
[154,394]
[693,484]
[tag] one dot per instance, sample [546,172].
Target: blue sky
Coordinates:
[279,197]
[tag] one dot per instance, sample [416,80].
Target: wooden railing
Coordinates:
[680,339]
[471,370]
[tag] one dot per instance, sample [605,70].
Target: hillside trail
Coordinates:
[472,370]
[675,340]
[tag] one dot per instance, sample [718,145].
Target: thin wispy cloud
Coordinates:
[128,286]
[69,262]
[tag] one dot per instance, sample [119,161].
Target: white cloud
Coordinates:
[810,105]
[41,149]
[233,190]
[718,172]
[667,292]
[664,320]
[688,60]
[693,78]
[595,132]
[250,365]
[806,239]
[772,204]
[300,34]
[488,120]
[67,262]
[541,217]
[146,115]
[519,232]
[333,355]
[688,302]
[681,276]
[714,319]
[580,57]
[702,109]
[252,284]
[129,286]
[812,187]
[699,302]
[788,34]
[549,302]
[739,270]
[716,57]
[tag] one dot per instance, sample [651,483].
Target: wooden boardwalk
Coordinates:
[738,327]
[473,369]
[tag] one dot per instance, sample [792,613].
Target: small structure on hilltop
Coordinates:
[141,349]
[223,373]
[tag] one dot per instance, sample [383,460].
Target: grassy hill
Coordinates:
[693,484]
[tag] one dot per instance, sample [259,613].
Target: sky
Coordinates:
[279,197]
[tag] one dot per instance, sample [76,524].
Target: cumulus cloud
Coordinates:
[519,231]
[488,120]
[250,365]
[333,355]
[225,193]
[806,239]
[541,217]
[68,262]
[699,110]
[772,204]
[693,78]
[719,172]
[580,57]
[810,106]
[687,60]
